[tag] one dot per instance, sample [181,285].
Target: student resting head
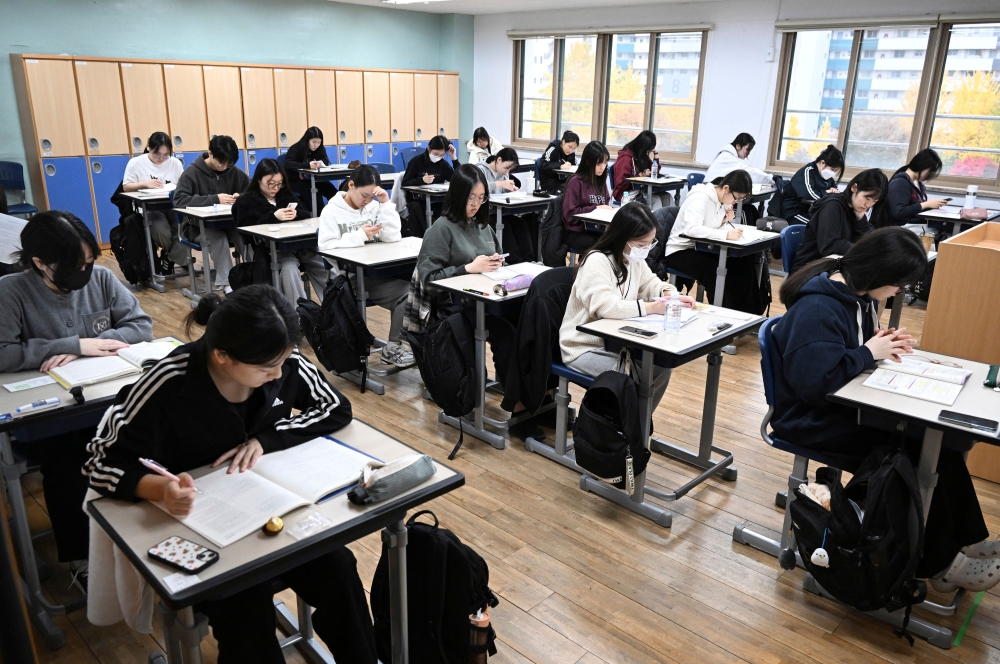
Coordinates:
[743,144]
[504,161]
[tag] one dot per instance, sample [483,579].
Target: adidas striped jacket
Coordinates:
[175,415]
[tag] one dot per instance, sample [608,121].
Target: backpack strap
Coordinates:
[413,519]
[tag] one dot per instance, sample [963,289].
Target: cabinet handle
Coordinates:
[284,138]
[92,142]
[369,134]
[252,158]
[441,131]
[178,141]
[371,152]
[251,141]
[136,143]
[96,167]
[50,170]
[419,132]
[395,151]
[343,135]
[343,153]
[395,133]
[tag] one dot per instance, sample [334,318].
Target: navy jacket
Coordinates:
[904,199]
[805,187]
[552,160]
[818,347]
[832,229]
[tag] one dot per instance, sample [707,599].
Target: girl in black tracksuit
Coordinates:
[429,167]
[811,183]
[228,398]
[907,195]
[560,154]
[306,153]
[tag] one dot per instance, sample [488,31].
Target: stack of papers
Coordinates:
[511,271]
[217,209]
[167,188]
[656,320]
[920,380]
[436,187]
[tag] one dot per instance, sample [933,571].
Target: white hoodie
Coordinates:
[701,216]
[726,162]
[340,224]
[478,155]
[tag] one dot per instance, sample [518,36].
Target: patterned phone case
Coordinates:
[184,555]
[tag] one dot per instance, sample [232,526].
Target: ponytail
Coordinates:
[738,181]
[505,154]
[364,175]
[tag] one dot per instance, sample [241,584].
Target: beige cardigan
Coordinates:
[596,295]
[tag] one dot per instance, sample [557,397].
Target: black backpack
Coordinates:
[607,435]
[128,244]
[665,219]
[336,331]
[445,353]
[247,273]
[553,234]
[873,532]
[774,204]
[446,582]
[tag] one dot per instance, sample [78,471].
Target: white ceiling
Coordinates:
[503,6]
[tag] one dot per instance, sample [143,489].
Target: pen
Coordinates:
[37,405]
[476,292]
[160,470]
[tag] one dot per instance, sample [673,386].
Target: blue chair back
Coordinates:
[695,178]
[409,153]
[11,175]
[281,158]
[383,169]
[766,370]
[791,240]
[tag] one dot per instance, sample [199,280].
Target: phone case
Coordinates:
[183,554]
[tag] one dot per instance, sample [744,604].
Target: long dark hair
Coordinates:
[480,134]
[640,147]
[439,142]
[832,157]
[742,139]
[925,160]
[463,180]
[224,149]
[504,154]
[738,181]
[631,221]
[55,237]
[311,133]
[267,167]
[364,175]
[157,140]
[892,256]
[253,325]
[570,137]
[593,154]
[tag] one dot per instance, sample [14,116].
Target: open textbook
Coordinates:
[229,507]
[510,271]
[920,380]
[131,360]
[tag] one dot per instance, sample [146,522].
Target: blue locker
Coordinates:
[253,156]
[397,157]
[332,153]
[67,187]
[377,153]
[420,144]
[348,153]
[187,158]
[106,174]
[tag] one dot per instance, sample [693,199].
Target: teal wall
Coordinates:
[302,32]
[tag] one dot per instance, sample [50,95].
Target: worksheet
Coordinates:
[918,387]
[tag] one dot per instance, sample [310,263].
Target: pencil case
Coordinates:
[993,377]
[382,481]
[520,282]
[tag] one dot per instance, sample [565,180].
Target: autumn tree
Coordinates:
[975,94]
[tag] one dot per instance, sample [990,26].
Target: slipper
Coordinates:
[984,549]
[970,573]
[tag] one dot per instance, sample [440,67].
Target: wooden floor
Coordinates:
[582,581]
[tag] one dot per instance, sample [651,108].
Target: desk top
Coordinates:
[374,254]
[332,168]
[668,181]
[136,527]
[694,339]
[483,285]
[432,189]
[752,239]
[218,212]
[566,172]
[148,194]
[600,215]
[506,200]
[952,212]
[289,230]
[974,399]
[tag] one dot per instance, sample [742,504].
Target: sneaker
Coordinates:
[397,354]
[80,569]
[984,549]
[970,573]
[227,289]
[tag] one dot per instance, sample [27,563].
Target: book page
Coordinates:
[230,507]
[914,386]
[10,237]
[89,370]
[315,469]
[220,209]
[916,367]
[656,320]
[751,234]
[147,352]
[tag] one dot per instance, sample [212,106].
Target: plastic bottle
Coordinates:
[672,315]
[624,199]
[655,169]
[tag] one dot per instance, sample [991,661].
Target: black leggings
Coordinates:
[244,623]
[580,242]
[519,235]
[702,266]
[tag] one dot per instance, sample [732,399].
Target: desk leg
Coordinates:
[427,207]
[720,276]
[500,227]
[312,187]
[362,294]
[395,538]
[275,267]
[739,212]
[897,308]
[206,250]
[191,633]
[649,195]
[153,283]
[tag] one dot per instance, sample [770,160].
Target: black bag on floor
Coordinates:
[922,289]
[553,234]
[446,582]
[873,534]
[128,244]
[247,273]
[336,330]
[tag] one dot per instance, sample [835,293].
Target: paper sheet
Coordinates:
[10,237]
[917,387]
[916,367]
[217,209]
[656,320]
[314,469]
[90,370]
[29,383]
[510,271]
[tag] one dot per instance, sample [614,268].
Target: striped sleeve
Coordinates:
[807,178]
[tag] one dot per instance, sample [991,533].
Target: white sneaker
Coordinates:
[398,355]
[984,549]
[227,290]
[80,569]
[970,573]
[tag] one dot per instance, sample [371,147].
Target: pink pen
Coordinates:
[160,470]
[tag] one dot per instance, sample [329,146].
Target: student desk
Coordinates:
[218,219]
[156,200]
[68,416]
[482,294]
[949,214]
[430,192]
[136,527]
[516,204]
[672,350]
[597,220]
[565,173]
[974,399]
[284,236]
[897,302]
[377,260]
[325,174]
[759,194]
[652,185]
[753,242]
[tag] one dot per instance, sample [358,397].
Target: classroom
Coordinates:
[456,331]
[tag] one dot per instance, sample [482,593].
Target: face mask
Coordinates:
[828,174]
[637,255]
[75,280]
[435,159]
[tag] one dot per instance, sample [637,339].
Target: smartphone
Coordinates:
[961,419]
[292,206]
[637,332]
[183,554]
[502,255]
[947,199]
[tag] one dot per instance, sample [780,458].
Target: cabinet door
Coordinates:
[376,107]
[350,108]
[447,106]
[67,187]
[105,175]
[425,106]
[54,108]
[257,84]
[102,107]
[401,106]
[321,103]
[186,106]
[145,102]
[222,103]
[290,105]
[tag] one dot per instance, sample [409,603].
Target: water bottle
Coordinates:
[672,315]
[655,169]
[624,199]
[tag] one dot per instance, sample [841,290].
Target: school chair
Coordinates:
[695,178]
[665,218]
[281,158]
[406,154]
[12,179]
[791,239]
[383,169]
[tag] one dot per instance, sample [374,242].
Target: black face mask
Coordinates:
[74,280]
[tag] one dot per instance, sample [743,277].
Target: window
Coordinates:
[676,92]
[626,90]
[535,113]
[576,103]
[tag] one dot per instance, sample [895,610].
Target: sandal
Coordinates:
[969,573]
[984,549]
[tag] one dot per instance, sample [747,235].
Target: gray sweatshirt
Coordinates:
[37,323]
[200,185]
[448,247]
[492,178]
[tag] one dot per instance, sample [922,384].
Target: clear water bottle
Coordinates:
[672,315]
[655,169]
[624,199]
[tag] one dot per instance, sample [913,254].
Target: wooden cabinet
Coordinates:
[376,96]
[447,105]
[290,105]
[257,84]
[186,107]
[145,102]
[54,108]
[425,106]
[223,104]
[102,107]
[350,108]
[400,107]
[321,103]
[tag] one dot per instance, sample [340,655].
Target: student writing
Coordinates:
[429,167]
[61,307]
[907,195]
[586,191]
[829,335]
[153,169]
[560,155]
[244,391]
[308,152]
[636,160]
[519,231]
[481,146]
[734,156]
[811,183]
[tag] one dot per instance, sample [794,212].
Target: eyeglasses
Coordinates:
[159,156]
[649,246]
[922,358]
[275,184]
[477,199]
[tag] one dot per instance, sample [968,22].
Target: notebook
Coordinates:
[217,209]
[916,367]
[918,387]
[167,188]
[510,271]
[131,360]
[436,187]
[231,506]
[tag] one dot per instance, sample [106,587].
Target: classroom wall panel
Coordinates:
[321,104]
[185,87]
[425,104]
[223,103]
[257,84]
[400,106]
[56,114]
[145,102]
[102,107]
[67,187]
[290,105]
[350,108]
[376,94]
[447,105]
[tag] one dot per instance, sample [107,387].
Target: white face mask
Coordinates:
[637,255]
[434,158]
[828,173]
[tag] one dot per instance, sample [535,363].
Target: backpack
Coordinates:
[607,435]
[445,353]
[922,289]
[665,219]
[336,330]
[553,234]
[446,583]
[873,534]
[247,273]
[774,204]
[128,244]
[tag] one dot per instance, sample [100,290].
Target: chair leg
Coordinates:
[743,535]
[562,451]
